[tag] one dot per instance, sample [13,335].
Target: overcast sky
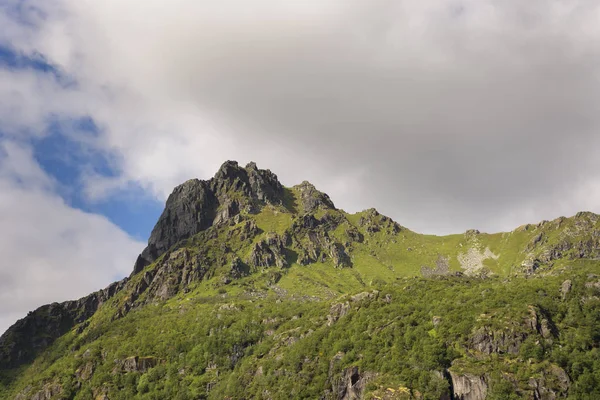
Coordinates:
[445,115]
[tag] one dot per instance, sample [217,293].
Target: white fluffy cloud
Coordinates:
[50,251]
[443,115]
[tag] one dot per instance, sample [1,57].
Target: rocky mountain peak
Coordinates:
[196,205]
[311,198]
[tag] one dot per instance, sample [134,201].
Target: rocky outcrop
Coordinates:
[347,384]
[190,209]
[40,328]
[310,236]
[488,341]
[135,364]
[175,273]
[197,205]
[269,252]
[311,199]
[85,372]
[372,221]
[352,384]
[565,288]
[337,253]
[339,310]
[579,238]
[238,269]
[50,391]
[540,322]
[550,384]
[468,386]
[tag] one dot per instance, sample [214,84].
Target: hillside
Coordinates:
[249,289]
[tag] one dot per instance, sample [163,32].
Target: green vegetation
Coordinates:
[280,304]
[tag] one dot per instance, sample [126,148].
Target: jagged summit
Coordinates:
[197,205]
[311,198]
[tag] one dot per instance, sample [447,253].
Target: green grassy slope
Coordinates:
[250,317]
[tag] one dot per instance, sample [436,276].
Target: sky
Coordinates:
[445,115]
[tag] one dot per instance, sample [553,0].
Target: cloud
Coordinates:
[50,251]
[443,115]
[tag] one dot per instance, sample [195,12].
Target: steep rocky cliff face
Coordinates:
[469,386]
[31,335]
[197,205]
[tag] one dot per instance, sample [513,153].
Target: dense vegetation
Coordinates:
[301,300]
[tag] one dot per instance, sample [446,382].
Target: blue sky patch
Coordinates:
[68,161]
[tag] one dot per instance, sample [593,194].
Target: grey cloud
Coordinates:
[444,115]
[456,122]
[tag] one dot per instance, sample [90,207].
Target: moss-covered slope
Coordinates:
[249,289]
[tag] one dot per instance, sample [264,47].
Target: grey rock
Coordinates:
[190,209]
[540,321]
[135,364]
[352,384]
[338,255]
[269,252]
[48,392]
[550,384]
[197,205]
[488,341]
[468,386]
[565,288]
[85,372]
[311,199]
[337,311]
[40,328]
[372,221]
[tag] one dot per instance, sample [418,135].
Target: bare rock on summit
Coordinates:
[190,209]
[311,199]
[197,205]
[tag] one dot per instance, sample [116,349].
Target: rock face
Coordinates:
[269,252]
[468,386]
[509,340]
[310,236]
[489,341]
[551,384]
[136,364]
[565,288]
[48,392]
[374,222]
[197,205]
[311,199]
[40,328]
[351,385]
[190,209]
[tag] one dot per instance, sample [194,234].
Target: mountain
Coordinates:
[249,289]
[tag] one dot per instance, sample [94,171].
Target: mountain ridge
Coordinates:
[242,229]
